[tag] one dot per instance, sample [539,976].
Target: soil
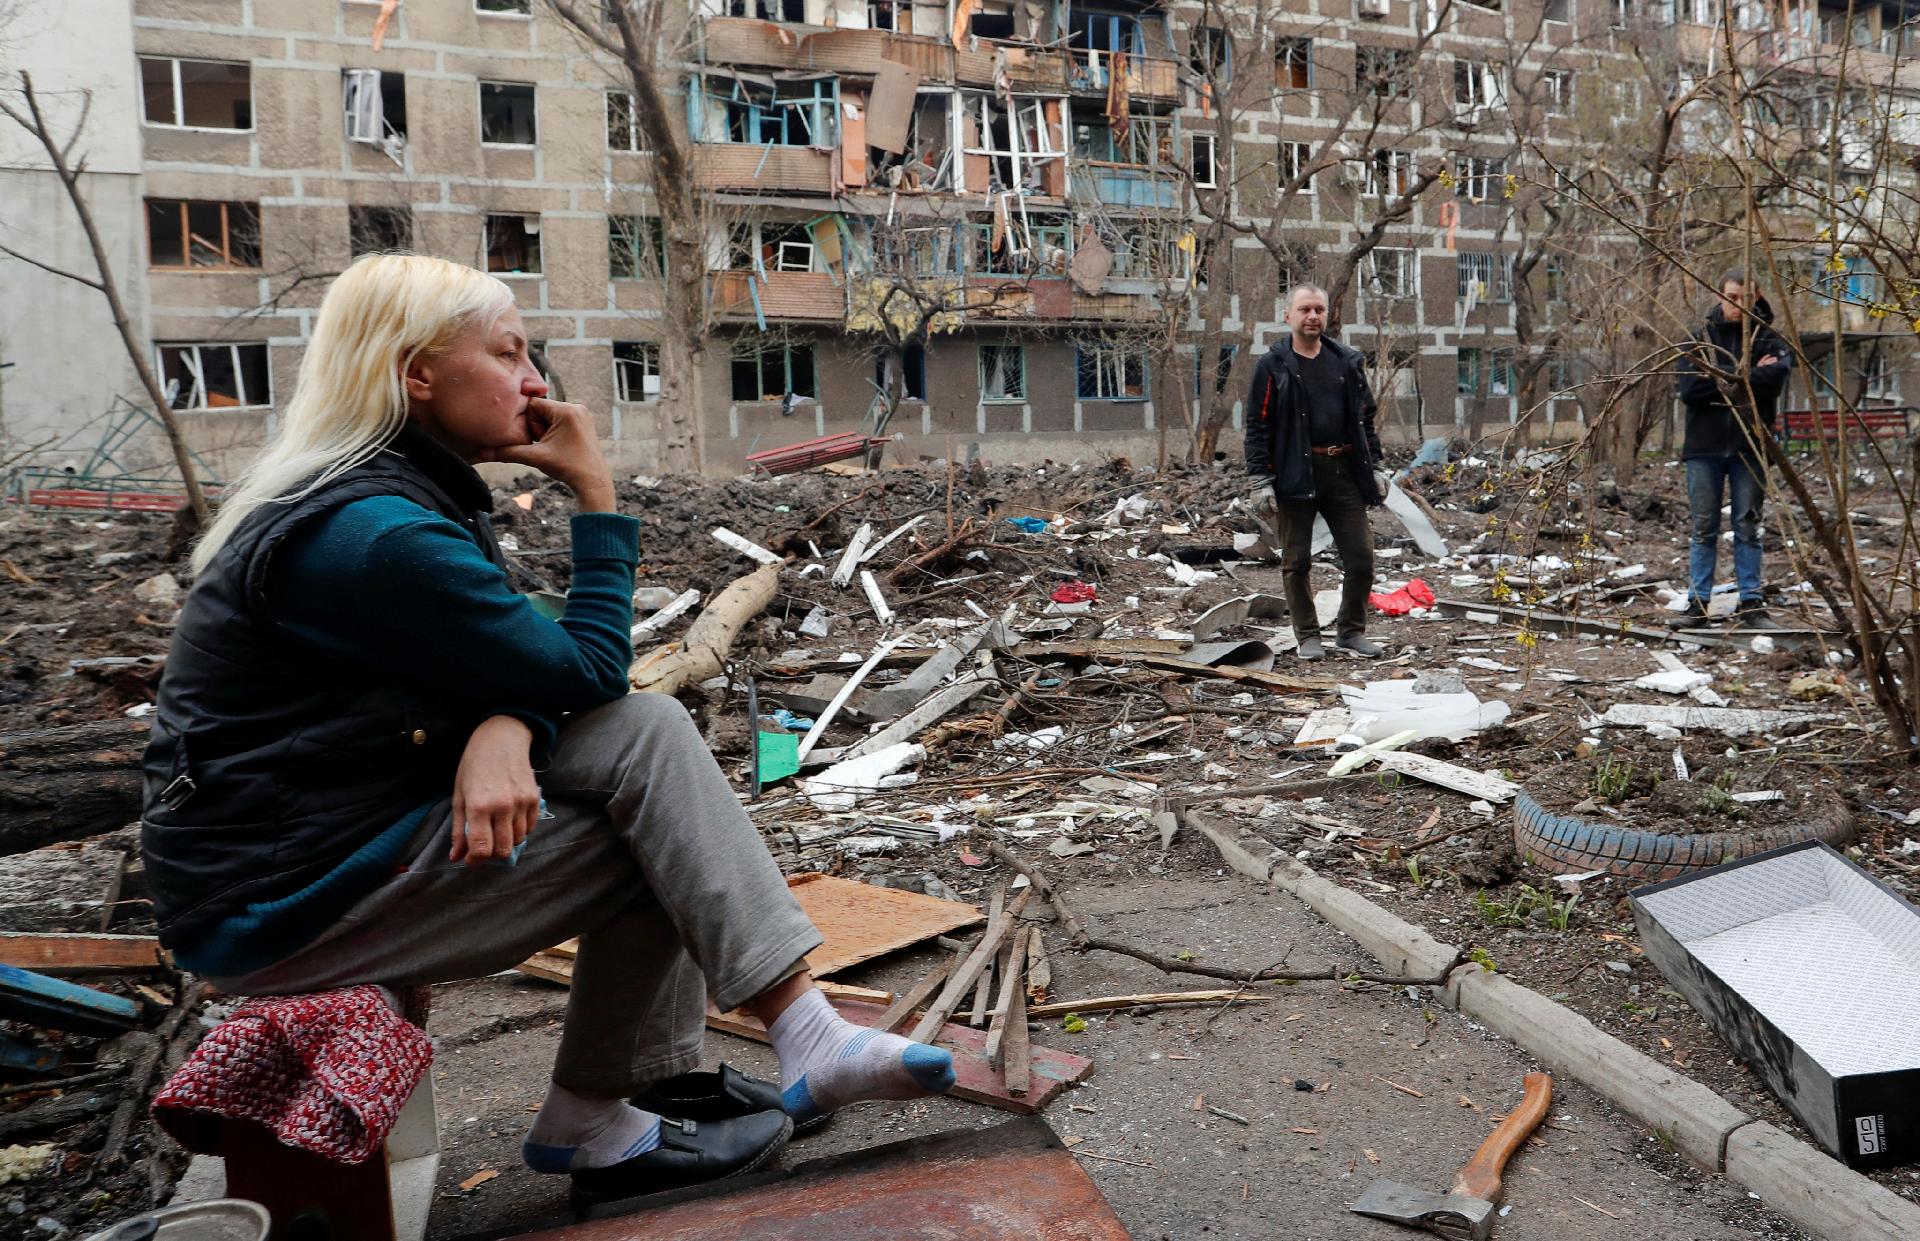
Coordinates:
[1419,850]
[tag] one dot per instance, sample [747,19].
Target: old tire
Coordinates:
[1567,844]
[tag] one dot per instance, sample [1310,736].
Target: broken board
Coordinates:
[1015,1179]
[976,1081]
[856,921]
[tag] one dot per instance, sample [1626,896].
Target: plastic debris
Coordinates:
[1415,594]
[1384,708]
[1073,592]
[840,786]
[1031,525]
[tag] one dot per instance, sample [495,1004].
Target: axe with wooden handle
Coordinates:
[1466,1210]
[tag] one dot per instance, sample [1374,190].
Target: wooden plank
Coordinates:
[924,716]
[1016,1066]
[40,1000]
[56,953]
[963,978]
[1496,789]
[890,106]
[851,558]
[550,966]
[1012,958]
[915,996]
[983,989]
[977,1081]
[860,921]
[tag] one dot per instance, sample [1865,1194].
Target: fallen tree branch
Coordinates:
[133,1100]
[702,653]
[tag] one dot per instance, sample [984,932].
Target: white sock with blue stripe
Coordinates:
[827,1062]
[575,1131]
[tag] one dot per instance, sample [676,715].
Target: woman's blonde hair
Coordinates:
[379,315]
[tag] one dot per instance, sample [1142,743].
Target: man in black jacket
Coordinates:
[1729,377]
[1309,418]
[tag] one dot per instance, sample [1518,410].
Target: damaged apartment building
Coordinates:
[1007,214]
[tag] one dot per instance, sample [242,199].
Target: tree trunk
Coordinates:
[69,782]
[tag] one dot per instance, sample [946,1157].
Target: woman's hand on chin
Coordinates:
[566,448]
[496,800]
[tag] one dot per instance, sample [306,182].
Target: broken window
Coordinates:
[1222,370]
[1104,33]
[1110,373]
[1557,85]
[1388,172]
[1478,84]
[913,372]
[928,251]
[1392,272]
[1003,373]
[623,126]
[1018,143]
[1557,10]
[506,113]
[215,376]
[379,230]
[1014,248]
[770,247]
[202,236]
[1200,162]
[513,244]
[521,8]
[636,247]
[769,10]
[896,15]
[1293,63]
[991,19]
[927,161]
[765,371]
[636,370]
[1384,72]
[1210,53]
[1296,158]
[1149,249]
[375,107]
[1480,178]
[760,111]
[1147,140]
[196,94]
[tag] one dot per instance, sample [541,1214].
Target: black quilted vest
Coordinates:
[270,762]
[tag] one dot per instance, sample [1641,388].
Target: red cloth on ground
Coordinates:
[1073,592]
[326,1072]
[1415,594]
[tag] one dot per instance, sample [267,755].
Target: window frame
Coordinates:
[1294,159]
[1091,358]
[188,266]
[1015,350]
[758,354]
[400,210]
[633,123]
[525,14]
[1484,169]
[649,358]
[480,114]
[180,100]
[1295,53]
[1407,266]
[539,246]
[1498,275]
[1379,176]
[636,246]
[1212,181]
[197,370]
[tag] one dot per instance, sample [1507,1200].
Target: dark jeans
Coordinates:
[1745,486]
[1340,502]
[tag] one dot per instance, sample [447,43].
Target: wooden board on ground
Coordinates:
[860,921]
[1051,1070]
[74,953]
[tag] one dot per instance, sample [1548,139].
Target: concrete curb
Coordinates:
[1815,1191]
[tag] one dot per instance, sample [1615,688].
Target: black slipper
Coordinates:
[690,1153]
[720,1095]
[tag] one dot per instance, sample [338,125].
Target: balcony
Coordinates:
[1124,185]
[763,169]
[783,297]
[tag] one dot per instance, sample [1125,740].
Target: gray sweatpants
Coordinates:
[647,858]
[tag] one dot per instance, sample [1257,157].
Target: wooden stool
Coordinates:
[311,1198]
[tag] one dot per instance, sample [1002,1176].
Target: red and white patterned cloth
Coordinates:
[326,1072]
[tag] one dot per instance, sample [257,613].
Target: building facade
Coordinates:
[1044,227]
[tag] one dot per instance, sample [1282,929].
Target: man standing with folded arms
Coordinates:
[1310,434]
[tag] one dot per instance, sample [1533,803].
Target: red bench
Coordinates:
[809,453]
[1808,425]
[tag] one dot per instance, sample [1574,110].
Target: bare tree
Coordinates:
[639,40]
[29,115]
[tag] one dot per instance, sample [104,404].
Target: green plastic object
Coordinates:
[549,603]
[779,756]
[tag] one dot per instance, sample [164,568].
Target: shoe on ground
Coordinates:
[1309,650]
[1752,614]
[691,1152]
[1693,618]
[1357,643]
[722,1095]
